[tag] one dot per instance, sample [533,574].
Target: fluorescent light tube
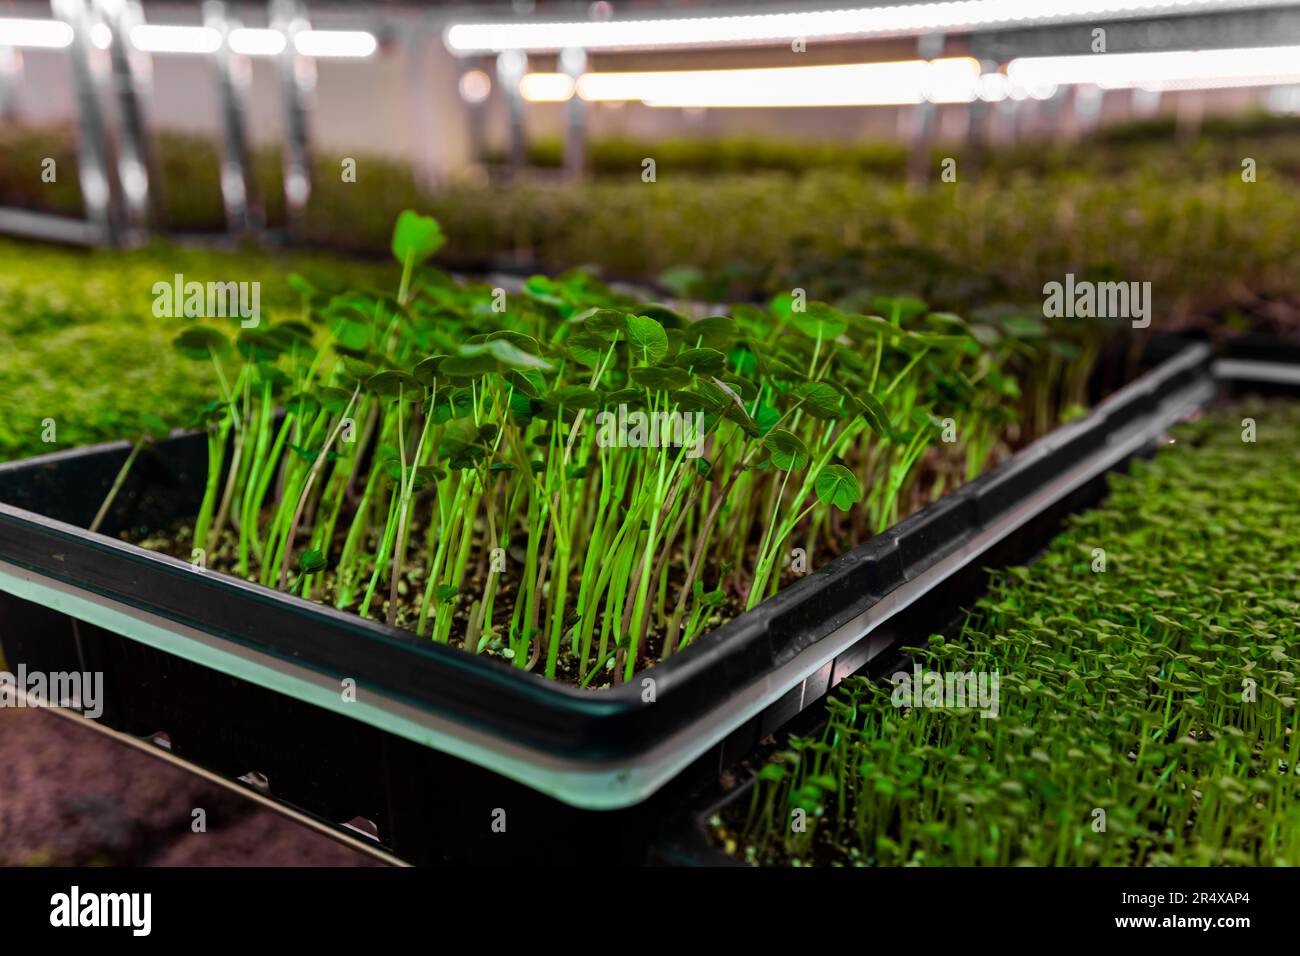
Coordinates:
[901,19]
[49,34]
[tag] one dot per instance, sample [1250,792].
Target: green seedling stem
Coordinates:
[482,480]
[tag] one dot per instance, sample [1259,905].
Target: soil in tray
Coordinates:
[410,590]
[1146,704]
[221,556]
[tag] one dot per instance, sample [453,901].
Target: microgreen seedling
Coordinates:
[580,484]
[1161,692]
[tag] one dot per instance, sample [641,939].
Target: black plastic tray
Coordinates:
[243,679]
[1255,364]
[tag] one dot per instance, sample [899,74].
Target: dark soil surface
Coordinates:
[72,797]
[222,557]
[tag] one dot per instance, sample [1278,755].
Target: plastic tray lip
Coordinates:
[259,594]
[736,639]
[592,783]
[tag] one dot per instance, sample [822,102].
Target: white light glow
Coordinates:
[902,19]
[475,86]
[1175,70]
[156,38]
[546,87]
[335,43]
[49,34]
[994,87]
[256,42]
[164,38]
[952,80]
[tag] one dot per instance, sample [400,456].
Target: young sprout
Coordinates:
[150,428]
[567,478]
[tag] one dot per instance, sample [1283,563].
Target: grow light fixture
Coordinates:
[158,38]
[1172,70]
[350,44]
[46,34]
[167,38]
[951,80]
[335,43]
[256,42]
[546,87]
[902,19]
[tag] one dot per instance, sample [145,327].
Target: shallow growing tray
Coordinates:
[242,680]
[1259,365]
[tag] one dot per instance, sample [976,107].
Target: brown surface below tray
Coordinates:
[69,796]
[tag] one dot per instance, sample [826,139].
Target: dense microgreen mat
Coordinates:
[832,219]
[1118,148]
[1147,711]
[80,344]
[579,482]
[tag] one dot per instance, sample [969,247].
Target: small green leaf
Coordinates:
[702,361]
[333,399]
[301,285]
[426,372]
[575,396]
[211,413]
[357,368]
[819,400]
[391,383]
[819,320]
[257,346]
[714,332]
[789,453]
[201,343]
[735,413]
[647,338]
[311,561]
[605,323]
[416,238]
[743,387]
[457,437]
[507,354]
[660,377]
[351,334]
[838,486]
[869,407]
[469,366]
